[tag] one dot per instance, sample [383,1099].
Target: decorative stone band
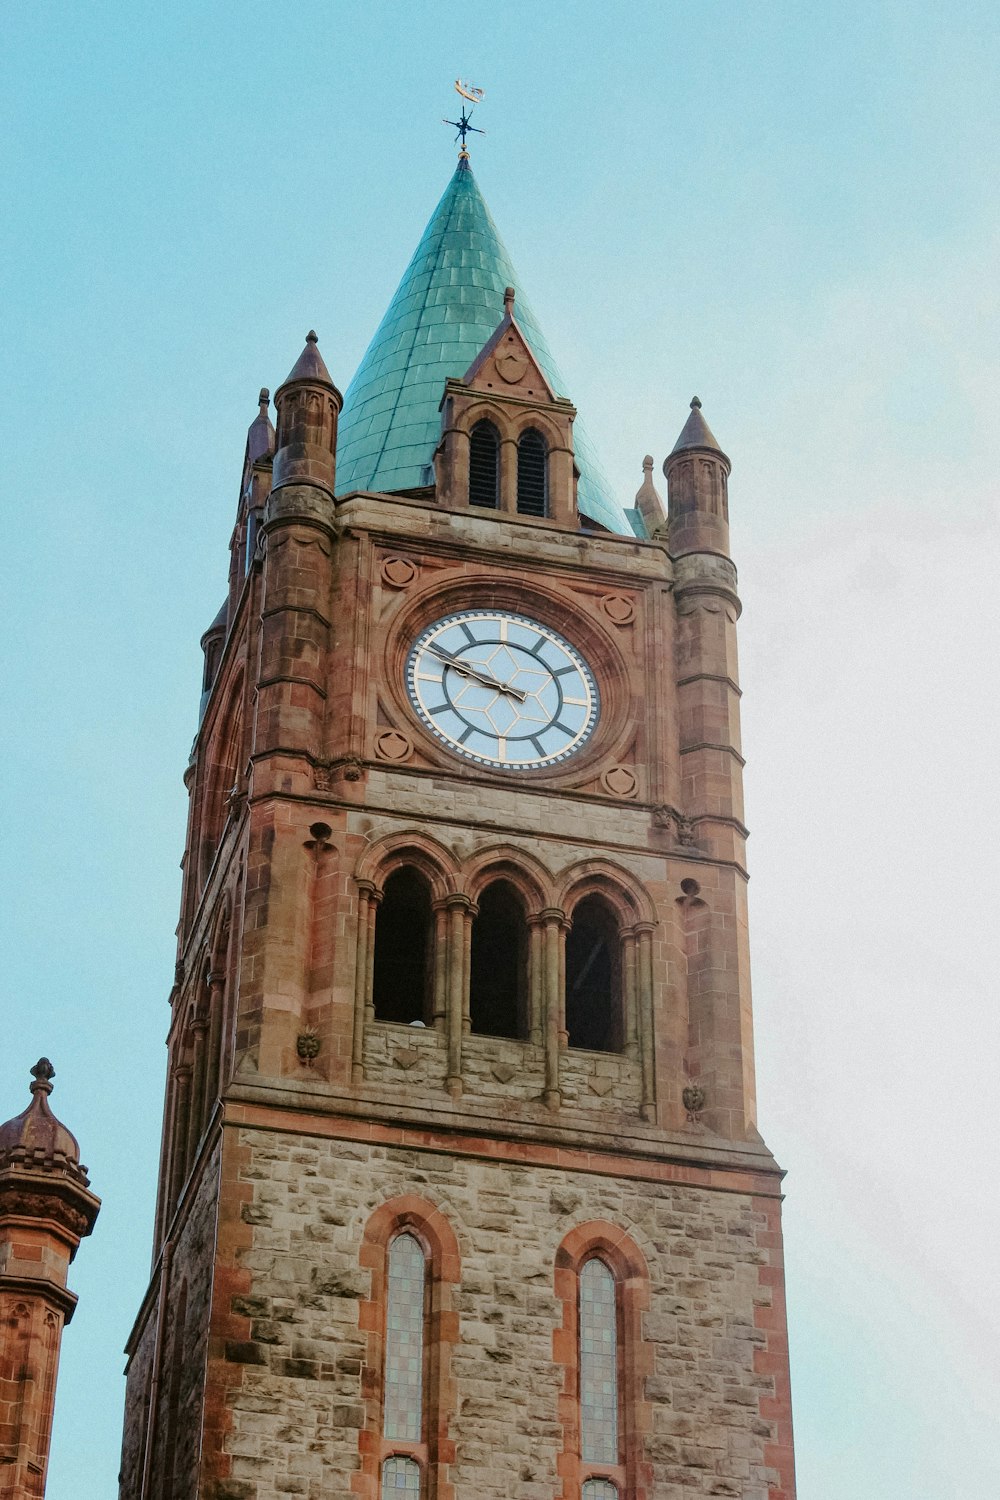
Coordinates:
[50,1195]
[48,1291]
[706,571]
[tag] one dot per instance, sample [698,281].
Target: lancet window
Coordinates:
[599,1489]
[593,978]
[484,466]
[599,1427]
[403,1389]
[401,968]
[499,964]
[532,474]
[602,1281]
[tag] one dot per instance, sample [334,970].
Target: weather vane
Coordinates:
[462,125]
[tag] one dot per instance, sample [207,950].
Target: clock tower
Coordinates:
[461,1190]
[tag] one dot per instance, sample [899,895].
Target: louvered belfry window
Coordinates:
[484,466]
[532,474]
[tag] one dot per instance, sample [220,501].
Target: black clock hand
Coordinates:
[465,670]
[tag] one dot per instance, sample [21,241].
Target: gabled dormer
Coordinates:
[506,437]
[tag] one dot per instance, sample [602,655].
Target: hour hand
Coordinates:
[465,669]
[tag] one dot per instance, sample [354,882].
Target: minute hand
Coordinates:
[465,670]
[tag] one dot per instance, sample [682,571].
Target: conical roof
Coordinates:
[310,365]
[261,436]
[447,305]
[696,432]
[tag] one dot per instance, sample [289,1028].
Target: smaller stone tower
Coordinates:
[46,1208]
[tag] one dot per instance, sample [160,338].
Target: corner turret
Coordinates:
[697,473]
[46,1208]
[308,405]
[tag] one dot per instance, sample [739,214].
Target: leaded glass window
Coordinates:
[401,1476]
[598,1367]
[404,1342]
[600,1489]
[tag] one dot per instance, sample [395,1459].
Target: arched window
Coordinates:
[484,466]
[532,474]
[403,1385]
[400,977]
[593,978]
[400,1476]
[599,1436]
[403,1399]
[221,778]
[411,1328]
[599,1489]
[499,964]
[602,1281]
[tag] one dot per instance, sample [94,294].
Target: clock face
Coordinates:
[502,690]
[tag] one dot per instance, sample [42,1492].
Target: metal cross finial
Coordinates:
[462,124]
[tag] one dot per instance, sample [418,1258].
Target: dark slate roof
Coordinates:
[447,305]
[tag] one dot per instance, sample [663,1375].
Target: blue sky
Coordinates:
[788,209]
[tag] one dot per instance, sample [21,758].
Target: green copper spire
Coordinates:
[447,305]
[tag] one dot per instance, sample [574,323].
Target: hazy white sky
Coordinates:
[790,210]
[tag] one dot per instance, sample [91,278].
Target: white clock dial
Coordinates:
[501,689]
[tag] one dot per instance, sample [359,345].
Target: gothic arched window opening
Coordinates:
[599,1442]
[484,466]
[400,1476]
[222,777]
[499,964]
[403,1400]
[599,1489]
[593,978]
[400,976]
[532,474]
[403,1383]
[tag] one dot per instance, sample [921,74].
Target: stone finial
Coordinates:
[43,1073]
[695,404]
[508,301]
[260,435]
[648,501]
